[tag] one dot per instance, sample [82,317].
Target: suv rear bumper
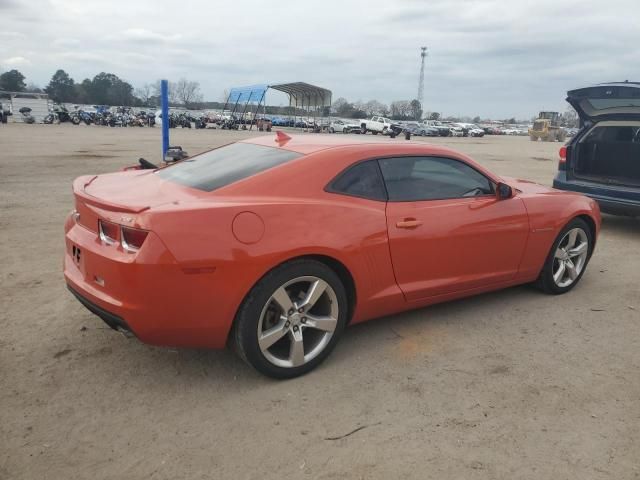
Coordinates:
[608,203]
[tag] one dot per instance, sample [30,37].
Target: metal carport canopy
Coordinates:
[301,93]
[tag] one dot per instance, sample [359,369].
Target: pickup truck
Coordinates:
[376,125]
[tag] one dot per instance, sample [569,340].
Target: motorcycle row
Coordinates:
[127,117]
[121,117]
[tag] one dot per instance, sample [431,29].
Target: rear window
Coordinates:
[361,180]
[608,103]
[225,165]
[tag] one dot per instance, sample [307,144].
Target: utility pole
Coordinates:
[420,98]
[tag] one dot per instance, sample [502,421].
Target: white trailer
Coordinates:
[14,101]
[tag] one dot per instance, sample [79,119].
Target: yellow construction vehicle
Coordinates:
[547,127]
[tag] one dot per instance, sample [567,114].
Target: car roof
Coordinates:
[311,143]
[323,156]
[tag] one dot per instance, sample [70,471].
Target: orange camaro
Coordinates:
[277,246]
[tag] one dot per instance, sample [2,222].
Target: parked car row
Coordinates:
[385,126]
[494,130]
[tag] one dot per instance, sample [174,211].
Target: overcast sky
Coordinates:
[486,57]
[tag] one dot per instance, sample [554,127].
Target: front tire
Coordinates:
[568,258]
[291,319]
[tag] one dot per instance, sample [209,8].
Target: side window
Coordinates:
[432,178]
[361,180]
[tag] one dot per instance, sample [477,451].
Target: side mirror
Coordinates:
[503,191]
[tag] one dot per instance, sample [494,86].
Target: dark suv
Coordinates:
[603,159]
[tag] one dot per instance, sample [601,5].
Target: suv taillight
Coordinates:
[133,238]
[563,154]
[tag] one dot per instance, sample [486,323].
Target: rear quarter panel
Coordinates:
[349,230]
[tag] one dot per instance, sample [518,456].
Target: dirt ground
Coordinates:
[508,385]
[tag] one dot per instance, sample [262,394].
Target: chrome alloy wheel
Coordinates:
[570,257]
[298,321]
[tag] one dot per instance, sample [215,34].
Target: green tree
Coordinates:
[109,89]
[415,109]
[12,81]
[61,87]
[434,116]
[476,119]
[81,91]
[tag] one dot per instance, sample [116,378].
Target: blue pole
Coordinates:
[164,96]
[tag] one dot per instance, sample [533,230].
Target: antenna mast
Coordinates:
[423,54]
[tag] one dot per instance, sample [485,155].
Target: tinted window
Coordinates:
[620,133]
[361,180]
[225,165]
[432,178]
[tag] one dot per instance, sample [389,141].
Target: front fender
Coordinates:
[548,214]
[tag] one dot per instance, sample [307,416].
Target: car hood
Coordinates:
[528,187]
[607,101]
[131,191]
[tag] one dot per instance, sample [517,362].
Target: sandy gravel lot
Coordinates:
[508,385]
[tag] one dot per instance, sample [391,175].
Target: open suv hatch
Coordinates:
[603,159]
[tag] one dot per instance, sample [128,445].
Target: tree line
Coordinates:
[109,89]
[105,89]
[397,110]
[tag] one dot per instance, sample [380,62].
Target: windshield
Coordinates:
[225,165]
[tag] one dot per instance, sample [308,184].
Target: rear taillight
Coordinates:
[108,232]
[133,238]
[563,154]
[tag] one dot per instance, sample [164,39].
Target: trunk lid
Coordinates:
[607,101]
[120,197]
[131,191]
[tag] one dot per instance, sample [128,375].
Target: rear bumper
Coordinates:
[109,318]
[147,293]
[606,198]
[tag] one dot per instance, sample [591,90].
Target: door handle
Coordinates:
[408,223]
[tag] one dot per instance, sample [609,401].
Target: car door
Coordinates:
[448,231]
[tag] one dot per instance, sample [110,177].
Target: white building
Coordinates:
[14,101]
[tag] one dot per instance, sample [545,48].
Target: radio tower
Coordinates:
[423,54]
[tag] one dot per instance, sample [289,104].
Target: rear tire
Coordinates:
[275,309]
[555,279]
